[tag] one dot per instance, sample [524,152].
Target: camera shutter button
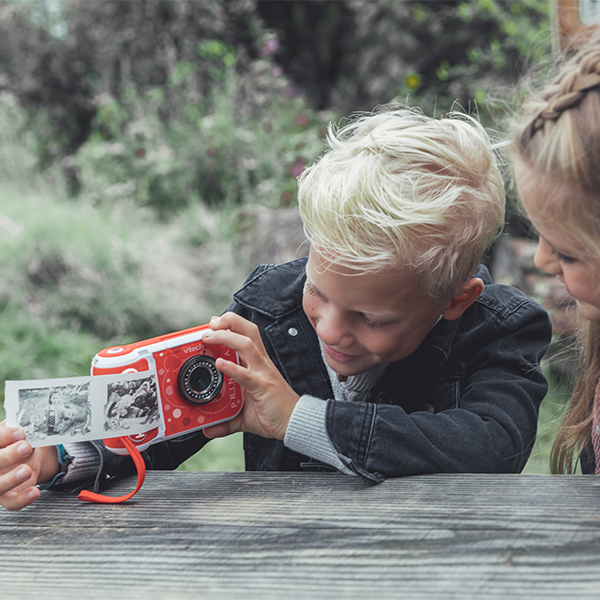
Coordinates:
[293,331]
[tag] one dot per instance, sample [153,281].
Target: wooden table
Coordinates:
[301,535]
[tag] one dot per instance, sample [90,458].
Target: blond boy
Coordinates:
[388,352]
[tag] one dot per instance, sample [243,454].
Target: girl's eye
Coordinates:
[564,258]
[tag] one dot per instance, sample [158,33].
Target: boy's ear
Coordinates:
[468,293]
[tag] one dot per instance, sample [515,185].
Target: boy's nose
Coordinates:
[334,331]
[546,260]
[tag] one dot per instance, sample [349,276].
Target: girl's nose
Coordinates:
[546,260]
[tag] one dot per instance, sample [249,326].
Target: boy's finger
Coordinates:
[238,373]
[222,429]
[243,345]
[235,323]
[19,500]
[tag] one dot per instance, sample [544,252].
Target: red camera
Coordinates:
[192,392]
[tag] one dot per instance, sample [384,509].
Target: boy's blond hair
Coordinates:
[398,188]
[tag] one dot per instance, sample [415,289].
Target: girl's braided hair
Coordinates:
[569,90]
[559,131]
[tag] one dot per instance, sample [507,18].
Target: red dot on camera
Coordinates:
[186,421]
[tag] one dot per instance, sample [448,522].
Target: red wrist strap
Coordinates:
[141,470]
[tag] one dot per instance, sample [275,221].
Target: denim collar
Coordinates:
[285,283]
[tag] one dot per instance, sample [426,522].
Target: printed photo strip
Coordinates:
[73,409]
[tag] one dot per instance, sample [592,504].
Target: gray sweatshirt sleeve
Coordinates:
[85,461]
[307,433]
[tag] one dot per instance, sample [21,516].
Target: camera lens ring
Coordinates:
[198,380]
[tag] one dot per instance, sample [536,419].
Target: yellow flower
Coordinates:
[412,81]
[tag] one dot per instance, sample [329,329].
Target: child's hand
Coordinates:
[22,467]
[269,400]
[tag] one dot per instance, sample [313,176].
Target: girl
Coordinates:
[556,153]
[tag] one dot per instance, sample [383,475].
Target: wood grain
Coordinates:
[299,535]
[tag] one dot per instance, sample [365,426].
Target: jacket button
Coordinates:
[293,331]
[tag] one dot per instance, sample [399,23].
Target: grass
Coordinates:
[221,454]
[551,411]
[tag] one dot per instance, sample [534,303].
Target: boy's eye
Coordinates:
[370,324]
[312,291]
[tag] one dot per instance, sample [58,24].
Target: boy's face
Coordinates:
[365,319]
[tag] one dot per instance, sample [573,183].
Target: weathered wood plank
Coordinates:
[265,535]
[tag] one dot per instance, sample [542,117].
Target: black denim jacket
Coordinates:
[466,400]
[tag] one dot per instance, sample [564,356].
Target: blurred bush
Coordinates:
[58,62]
[354,55]
[211,152]
[77,276]
[221,102]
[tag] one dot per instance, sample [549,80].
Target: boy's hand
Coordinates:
[269,400]
[22,467]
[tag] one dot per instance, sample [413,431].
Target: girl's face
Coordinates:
[365,319]
[558,253]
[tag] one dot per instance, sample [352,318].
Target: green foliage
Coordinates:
[493,42]
[551,412]
[49,77]
[318,43]
[58,65]
[433,54]
[30,348]
[180,102]
[78,277]
[16,161]
[221,454]
[212,152]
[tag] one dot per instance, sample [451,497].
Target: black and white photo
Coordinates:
[131,402]
[55,411]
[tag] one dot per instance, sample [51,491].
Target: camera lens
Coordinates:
[199,381]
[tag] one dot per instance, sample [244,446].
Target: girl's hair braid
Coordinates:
[569,89]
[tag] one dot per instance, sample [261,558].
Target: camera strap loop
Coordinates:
[87,496]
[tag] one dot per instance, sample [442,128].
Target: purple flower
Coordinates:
[269,48]
[297,167]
